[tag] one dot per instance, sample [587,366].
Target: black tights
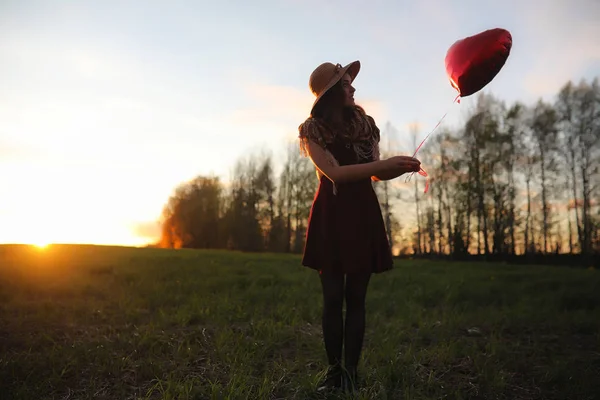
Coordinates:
[333,327]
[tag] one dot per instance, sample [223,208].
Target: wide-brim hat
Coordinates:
[326,75]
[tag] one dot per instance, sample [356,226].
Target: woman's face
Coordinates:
[348,90]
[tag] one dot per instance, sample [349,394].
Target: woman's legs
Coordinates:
[333,324]
[356,293]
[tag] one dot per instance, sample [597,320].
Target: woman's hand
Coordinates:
[396,166]
[403,164]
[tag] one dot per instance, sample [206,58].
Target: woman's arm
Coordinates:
[391,167]
[344,173]
[387,175]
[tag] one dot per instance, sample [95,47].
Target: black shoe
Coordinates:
[332,380]
[350,381]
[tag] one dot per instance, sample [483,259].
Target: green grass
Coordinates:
[83,322]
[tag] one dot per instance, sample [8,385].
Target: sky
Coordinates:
[106,106]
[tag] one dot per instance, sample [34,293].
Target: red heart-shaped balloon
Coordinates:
[472,62]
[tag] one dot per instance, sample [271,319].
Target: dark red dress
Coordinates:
[346,232]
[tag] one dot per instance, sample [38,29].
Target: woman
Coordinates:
[346,238]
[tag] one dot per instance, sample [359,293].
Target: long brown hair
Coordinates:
[331,110]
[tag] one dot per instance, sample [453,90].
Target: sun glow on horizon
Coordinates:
[73,230]
[40,245]
[73,205]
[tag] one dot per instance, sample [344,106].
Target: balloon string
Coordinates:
[422,171]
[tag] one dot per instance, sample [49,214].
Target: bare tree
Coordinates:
[544,128]
[414,134]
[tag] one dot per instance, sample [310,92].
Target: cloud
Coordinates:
[565,42]
[285,107]
[13,151]
[270,115]
[65,63]
[273,103]
[377,109]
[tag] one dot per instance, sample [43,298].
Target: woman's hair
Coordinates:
[331,109]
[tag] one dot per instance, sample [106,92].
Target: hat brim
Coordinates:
[352,69]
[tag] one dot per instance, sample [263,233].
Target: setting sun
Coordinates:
[64,215]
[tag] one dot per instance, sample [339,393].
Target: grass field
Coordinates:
[83,322]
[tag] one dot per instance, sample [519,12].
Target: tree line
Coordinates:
[514,179]
[256,211]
